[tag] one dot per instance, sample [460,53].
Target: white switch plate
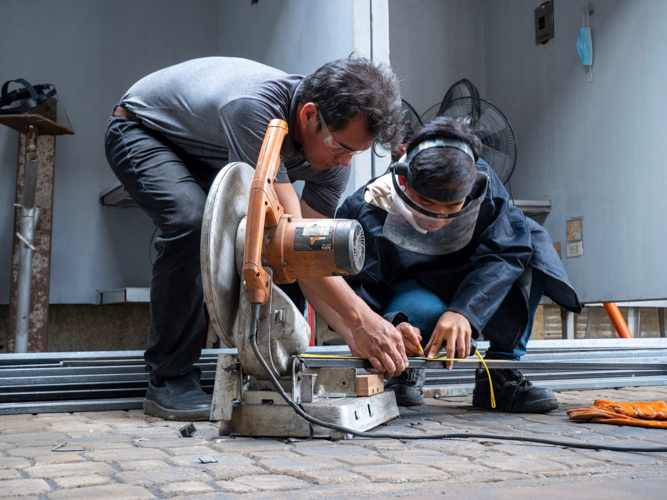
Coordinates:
[575,249]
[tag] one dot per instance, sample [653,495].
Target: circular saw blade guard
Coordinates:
[226,206]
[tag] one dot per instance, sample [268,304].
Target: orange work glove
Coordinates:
[652,414]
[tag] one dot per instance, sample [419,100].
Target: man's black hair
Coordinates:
[445,168]
[345,88]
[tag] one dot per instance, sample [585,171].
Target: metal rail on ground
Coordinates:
[117,380]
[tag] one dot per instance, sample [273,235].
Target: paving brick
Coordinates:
[79,481]
[449,463]
[333,451]
[363,460]
[9,474]
[161,476]
[121,454]
[80,428]
[103,443]
[23,487]
[58,458]
[232,487]
[279,466]
[464,448]
[521,464]
[106,492]
[149,432]
[229,465]
[331,476]
[22,428]
[399,473]
[174,442]
[13,463]
[272,483]
[34,438]
[143,465]
[185,488]
[621,458]
[30,452]
[62,470]
[247,445]
[190,450]
[286,455]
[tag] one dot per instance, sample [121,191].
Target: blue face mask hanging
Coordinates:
[585,46]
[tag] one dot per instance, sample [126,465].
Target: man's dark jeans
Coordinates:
[171,188]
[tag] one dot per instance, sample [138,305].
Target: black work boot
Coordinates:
[179,398]
[513,392]
[408,387]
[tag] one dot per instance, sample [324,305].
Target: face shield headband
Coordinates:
[428,190]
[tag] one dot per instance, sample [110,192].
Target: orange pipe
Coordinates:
[617,320]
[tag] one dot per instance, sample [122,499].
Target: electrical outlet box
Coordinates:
[544,22]
[575,249]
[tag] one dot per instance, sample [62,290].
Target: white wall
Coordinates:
[597,150]
[92,51]
[435,43]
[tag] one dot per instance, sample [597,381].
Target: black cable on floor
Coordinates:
[254,323]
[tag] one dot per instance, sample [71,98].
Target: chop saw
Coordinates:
[248,245]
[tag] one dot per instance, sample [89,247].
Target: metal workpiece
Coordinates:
[471,363]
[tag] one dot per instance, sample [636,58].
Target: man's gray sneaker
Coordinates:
[513,392]
[408,387]
[179,398]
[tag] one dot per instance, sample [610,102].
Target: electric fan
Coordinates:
[491,126]
[411,121]
[462,88]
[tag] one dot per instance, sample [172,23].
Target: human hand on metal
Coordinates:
[454,330]
[411,339]
[381,344]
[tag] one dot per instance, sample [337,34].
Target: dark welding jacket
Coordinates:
[488,281]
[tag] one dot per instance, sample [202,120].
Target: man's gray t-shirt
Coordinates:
[217,109]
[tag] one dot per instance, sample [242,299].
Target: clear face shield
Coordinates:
[420,230]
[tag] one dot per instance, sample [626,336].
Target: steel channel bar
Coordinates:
[459,377]
[524,365]
[104,370]
[72,406]
[64,382]
[98,393]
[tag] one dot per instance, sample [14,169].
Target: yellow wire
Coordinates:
[488,373]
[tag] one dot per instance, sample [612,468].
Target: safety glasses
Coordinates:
[333,147]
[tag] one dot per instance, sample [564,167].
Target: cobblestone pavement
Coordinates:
[128,455]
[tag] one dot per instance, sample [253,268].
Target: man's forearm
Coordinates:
[335,301]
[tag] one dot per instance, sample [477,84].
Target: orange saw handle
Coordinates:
[264,211]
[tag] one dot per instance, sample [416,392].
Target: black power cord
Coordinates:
[254,324]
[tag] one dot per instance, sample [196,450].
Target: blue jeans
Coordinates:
[424,308]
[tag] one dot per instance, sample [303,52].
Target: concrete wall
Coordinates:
[92,51]
[435,43]
[595,149]
[296,36]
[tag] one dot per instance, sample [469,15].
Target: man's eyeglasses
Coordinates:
[333,147]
